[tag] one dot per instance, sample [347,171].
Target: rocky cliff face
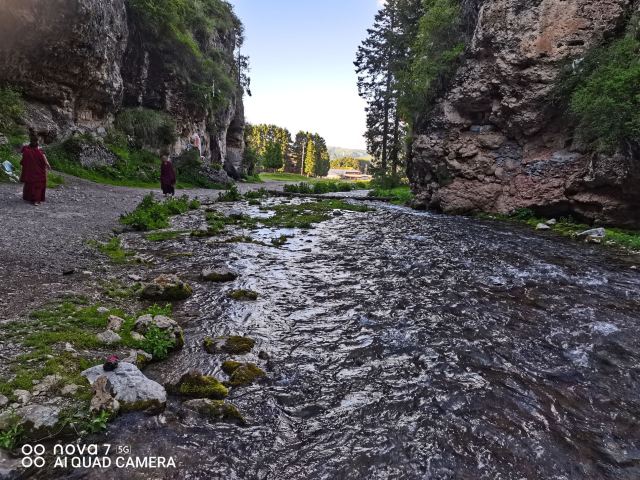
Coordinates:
[494,144]
[79,62]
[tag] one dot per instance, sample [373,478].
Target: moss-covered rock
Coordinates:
[166,288]
[243,294]
[230,366]
[216,410]
[218,275]
[233,345]
[195,384]
[245,374]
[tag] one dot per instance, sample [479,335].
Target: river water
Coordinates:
[408,345]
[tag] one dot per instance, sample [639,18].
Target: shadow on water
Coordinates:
[410,345]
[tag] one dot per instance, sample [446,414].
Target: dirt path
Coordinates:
[39,244]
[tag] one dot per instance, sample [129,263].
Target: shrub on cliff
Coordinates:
[11,109]
[181,30]
[606,102]
[150,128]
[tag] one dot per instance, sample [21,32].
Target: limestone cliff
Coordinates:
[79,62]
[494,143]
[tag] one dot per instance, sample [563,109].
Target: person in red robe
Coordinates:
[34,172]
[167,176]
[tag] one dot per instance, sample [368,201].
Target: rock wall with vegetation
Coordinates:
[156,72]
[542,111]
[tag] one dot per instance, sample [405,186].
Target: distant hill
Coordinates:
[339,152]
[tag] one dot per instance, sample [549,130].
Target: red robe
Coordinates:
[167,177]
[34,174]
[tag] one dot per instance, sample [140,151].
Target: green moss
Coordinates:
[230,366]
[197,385]
[242,294]
[165,235]
[112,249]
[233,345]
[245,374]
[281,240]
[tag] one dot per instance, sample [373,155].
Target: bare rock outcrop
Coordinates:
[494,142]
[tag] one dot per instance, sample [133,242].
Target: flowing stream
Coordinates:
[408,345]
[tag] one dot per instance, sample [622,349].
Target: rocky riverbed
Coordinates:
[388,343]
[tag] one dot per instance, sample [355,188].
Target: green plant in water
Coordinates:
[230,195]
[98,423]
[157,342]
[10,438]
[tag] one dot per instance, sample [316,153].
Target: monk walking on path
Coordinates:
[167,176]
[34,171]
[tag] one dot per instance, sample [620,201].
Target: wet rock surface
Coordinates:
[410,345]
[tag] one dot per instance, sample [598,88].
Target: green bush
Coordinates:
[151,214]
[150,128]
[181,30]
[606,99]
[439,45]
[11,109]
[230,195]
[157,342]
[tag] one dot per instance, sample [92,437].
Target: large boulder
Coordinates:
[166,288]
[130,387]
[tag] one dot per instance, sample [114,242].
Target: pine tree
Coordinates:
[273,158]
[381,64]
[310,158]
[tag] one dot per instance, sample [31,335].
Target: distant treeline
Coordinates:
[271,148]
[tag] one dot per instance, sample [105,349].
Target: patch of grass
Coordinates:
[112,249]
[400,195]
[568,227]
[286,177]
[305,215]
[326,186]
[252,179]
[163,236]
[118,290]
[48,329]
[54,180]
[151,214]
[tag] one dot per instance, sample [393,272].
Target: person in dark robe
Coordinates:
[34,171]
[167,176]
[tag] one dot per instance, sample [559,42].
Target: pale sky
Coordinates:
[302,73]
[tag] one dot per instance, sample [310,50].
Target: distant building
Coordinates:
[347,174]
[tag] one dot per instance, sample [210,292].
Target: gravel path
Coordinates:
[39,244]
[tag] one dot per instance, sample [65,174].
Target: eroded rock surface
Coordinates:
[494,142]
